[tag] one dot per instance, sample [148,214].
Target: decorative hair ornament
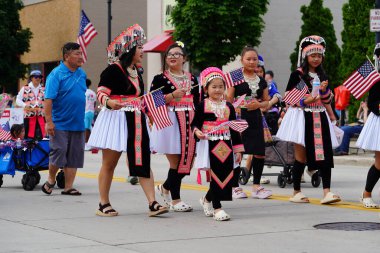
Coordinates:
[310,45]
[180,43]
[209,74]
[124,42]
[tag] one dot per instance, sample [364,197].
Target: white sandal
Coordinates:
[221,216]
[207,207]
[330,198]
[181,207]
[166,197]
[368,202]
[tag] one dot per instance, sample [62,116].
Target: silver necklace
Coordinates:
[132,72]
[218,108]
[253,84]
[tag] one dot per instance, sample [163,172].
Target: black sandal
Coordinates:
[49,186]
[156,209]
[106,210]
[72,192]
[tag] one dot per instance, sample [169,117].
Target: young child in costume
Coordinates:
[219,147]
[307,123]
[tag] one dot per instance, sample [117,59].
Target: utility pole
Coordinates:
[377,6]
[109,2]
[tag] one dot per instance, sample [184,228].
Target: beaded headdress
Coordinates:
[128,39]
[310,45]
[209,74]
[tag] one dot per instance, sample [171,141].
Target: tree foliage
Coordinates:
[358,41]
[14,41]
[317,20]
[214,31]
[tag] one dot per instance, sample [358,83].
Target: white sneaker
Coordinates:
[238,193]
[264,180]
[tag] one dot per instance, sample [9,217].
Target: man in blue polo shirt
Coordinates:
[64,113]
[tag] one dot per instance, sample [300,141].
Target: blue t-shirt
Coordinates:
[67,91]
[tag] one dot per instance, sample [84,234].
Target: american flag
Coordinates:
[234,77]
[362,79]
[238,125]
[86,33]
[5,132]
[294,95]
[239,101]
[155,102]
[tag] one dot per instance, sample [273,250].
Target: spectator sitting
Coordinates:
[352,129]
[17,131]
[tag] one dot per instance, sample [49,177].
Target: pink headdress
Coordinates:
[211,73]
[129,38]
[310,45]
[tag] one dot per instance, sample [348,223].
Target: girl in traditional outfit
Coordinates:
[121,125]
[307,121]
[177,142]
[218,150]
[246,82]
[369,137]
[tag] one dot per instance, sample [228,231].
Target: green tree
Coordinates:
[14,41]
[358,41]
[214,31]
[317,20]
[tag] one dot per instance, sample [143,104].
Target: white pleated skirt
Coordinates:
[167,140]
[202,159]
[292,128]
[369,137]
[110,131]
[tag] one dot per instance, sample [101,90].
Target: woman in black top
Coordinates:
[370,138]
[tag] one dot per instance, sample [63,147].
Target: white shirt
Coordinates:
[20,94]
[90,100]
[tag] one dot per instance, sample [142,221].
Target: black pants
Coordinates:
[214,199]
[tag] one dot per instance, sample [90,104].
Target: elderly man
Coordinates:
[64,112]
[31,98]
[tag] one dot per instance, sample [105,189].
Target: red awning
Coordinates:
[159,43]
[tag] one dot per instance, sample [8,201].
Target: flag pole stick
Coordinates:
[370,61]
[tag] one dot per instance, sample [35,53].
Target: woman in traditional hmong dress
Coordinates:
[219,150]
[369,137]
[177,141]
[307,121]
[246,83]
[121,125]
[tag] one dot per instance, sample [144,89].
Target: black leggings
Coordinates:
[372,178]
[298,170]
[215,201]
[173,183]
[257,169]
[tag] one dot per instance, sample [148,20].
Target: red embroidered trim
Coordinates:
[187,141]
[223,183]
[138,139]
[238,148]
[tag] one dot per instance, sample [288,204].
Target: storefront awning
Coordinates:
[159,43]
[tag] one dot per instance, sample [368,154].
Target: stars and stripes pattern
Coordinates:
[238,125]
[155,102]
[294,96]
[5,132]
[239,101]
[359,82]
[86,33]
[234,77]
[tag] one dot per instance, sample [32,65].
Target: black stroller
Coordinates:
[279,153]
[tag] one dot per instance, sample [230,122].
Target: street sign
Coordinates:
[374,20]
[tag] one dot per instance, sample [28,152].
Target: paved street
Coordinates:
[34,222]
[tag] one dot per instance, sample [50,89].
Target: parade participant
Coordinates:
[220,150]
[121,125]
[90,111]
[177,141]
[64,111]
[31,98]
[272,112]
[255,88]
[307,122]
[369,137]
[17,132]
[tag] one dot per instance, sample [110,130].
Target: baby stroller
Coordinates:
[29,156]
[279,153]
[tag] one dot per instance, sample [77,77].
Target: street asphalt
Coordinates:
[34,222]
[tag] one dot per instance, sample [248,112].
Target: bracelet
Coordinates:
[324,93]
[106,103]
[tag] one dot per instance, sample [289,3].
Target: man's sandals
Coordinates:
[71,192]
[47,187]
[106,210]
[156,209]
